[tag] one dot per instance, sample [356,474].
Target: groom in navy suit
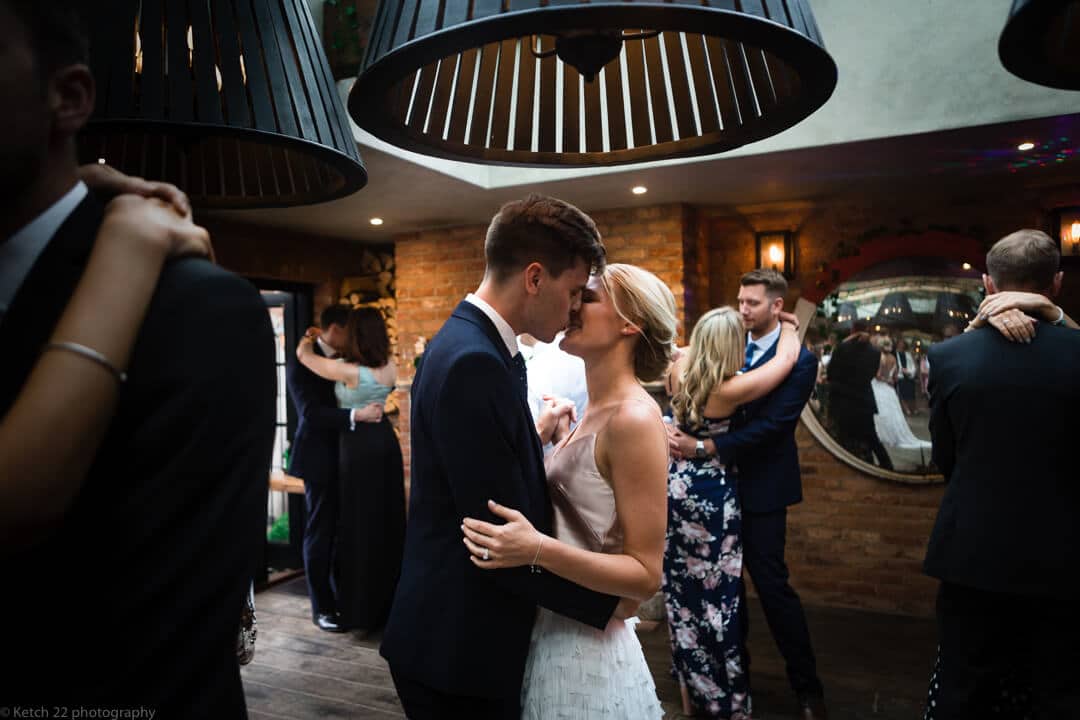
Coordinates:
[458,636]
[315,459]
[761,443]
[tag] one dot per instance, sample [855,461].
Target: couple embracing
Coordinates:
[492,536]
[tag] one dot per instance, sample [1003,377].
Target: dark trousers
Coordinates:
[764,537]
[424,703]
[321,503]
[985,636]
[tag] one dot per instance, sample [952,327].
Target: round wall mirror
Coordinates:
[871,334]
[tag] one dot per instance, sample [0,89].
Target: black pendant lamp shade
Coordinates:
[587,82]
[231,100]
[846,316]
[1041,42]
[895,311]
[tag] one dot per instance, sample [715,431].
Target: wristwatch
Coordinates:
[699,450]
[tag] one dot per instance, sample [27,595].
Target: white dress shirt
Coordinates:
[763,344]
[19,253]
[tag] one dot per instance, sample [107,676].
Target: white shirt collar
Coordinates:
[22,250]
[505,331]
[327,350]
[763,343]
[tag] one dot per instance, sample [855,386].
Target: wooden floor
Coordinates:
[874,666]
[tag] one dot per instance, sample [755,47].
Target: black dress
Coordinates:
[371,524]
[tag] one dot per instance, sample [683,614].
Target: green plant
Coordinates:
[279,531]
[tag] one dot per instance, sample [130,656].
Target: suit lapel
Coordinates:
[44,293]
[470,313]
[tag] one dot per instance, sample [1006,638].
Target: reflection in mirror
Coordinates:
[871,337]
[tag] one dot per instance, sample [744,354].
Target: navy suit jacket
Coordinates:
[313,455]
[164,536]
[761,439]
[454,627]
[1002,420]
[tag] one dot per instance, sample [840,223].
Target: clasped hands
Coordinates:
[1008,312]
[555,419]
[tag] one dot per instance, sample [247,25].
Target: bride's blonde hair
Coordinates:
[717,345]
[643,300]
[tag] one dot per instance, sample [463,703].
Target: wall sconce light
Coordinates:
[776,250]
[1067,230]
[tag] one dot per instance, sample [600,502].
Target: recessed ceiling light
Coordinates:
[1025,146]
[966,266]
[376,221]
[639,189]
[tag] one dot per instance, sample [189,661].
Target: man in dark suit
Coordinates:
[314,458]
[1006,542]
[761,443]
[852,406]
[458,636]
[134,599]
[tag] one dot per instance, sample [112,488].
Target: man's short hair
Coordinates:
[541,229]
[336,314]
[774,282]
[1025,259]
[56,31]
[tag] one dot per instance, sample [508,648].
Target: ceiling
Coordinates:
[411,197]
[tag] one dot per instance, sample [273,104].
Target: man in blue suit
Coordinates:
[314,458]
[458,636]
[761,444]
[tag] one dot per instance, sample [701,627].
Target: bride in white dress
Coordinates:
[608,486]
[890,422]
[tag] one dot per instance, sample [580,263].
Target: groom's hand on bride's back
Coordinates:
[626,608]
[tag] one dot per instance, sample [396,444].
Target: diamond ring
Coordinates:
[487,555]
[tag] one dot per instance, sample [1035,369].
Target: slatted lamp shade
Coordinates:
[231,100]
[588,82]
[1041,42]
[895,311]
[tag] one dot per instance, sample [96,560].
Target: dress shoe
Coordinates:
[813,708]
[330,622]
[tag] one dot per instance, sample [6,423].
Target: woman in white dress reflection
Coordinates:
[608,485]
[890,421]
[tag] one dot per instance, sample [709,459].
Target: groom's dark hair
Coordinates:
[1026,259]
[541,229]
[336,314]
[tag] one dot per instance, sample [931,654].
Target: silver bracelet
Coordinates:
[89,354]
[1061,316]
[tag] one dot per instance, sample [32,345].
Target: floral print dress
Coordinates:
[702,583]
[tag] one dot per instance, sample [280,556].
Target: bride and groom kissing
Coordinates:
[491,534]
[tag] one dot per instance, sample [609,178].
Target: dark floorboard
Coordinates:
[874,666]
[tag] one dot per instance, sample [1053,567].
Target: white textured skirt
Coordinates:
[575,672]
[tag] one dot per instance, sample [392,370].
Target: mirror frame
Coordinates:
[933,244]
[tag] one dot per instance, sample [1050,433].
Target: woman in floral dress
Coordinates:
[703,559]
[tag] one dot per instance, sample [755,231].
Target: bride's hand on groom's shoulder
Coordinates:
[1013,323]
[511,544]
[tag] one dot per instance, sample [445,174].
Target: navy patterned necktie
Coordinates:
[750,348]
[518,361]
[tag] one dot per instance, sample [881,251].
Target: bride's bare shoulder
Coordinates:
[632,417]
